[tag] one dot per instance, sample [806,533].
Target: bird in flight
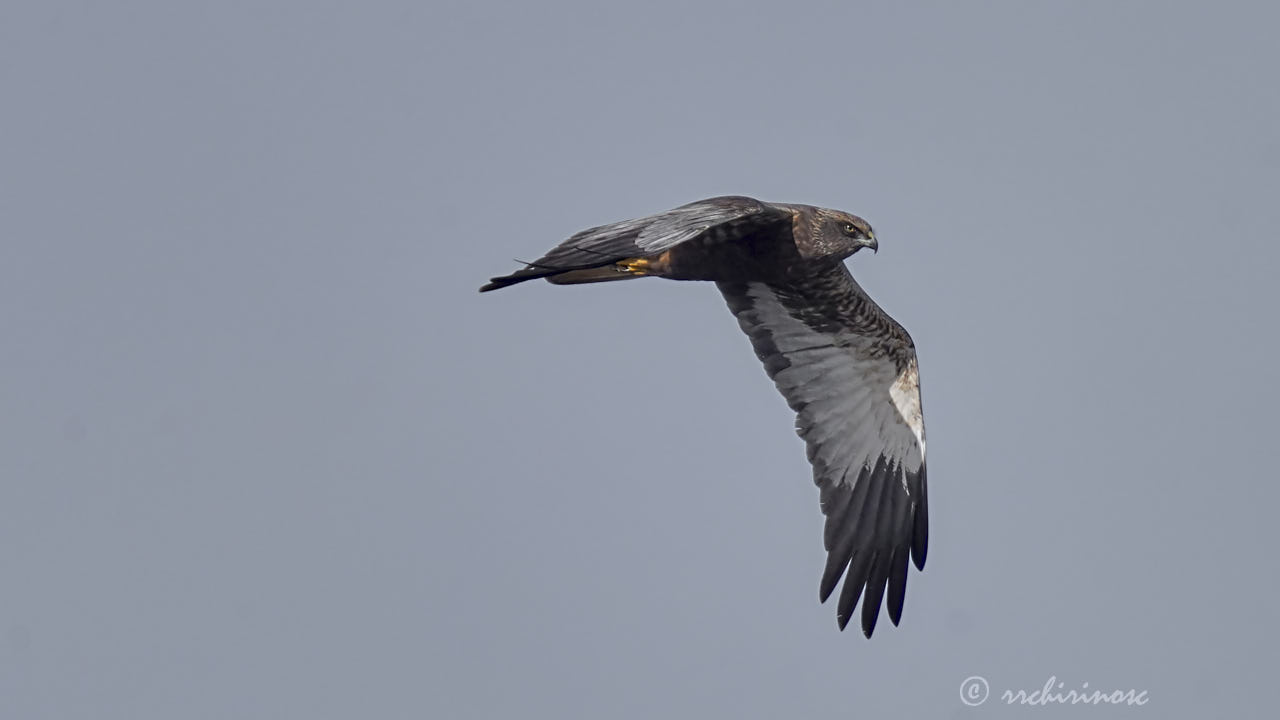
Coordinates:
[847,369]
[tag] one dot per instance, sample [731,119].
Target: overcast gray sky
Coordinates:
[266,453]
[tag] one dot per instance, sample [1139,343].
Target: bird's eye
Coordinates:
[849,229]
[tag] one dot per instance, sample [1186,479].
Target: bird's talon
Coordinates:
[637,266]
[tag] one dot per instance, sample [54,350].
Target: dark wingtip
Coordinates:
[824,592]
[831,576]
[870,614]
[920,537]
[920,523]
[918,554]
[873,595]
[897,587]
[855,577]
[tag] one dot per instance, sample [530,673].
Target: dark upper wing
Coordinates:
[731,216]
[850,373]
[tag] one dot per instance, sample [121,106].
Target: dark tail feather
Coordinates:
[529,273]
[562,276]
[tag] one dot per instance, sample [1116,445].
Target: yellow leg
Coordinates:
[635,266]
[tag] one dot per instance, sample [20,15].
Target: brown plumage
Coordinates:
[846,367]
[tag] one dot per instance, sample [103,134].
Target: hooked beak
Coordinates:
[871,243]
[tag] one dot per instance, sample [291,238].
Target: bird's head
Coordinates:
[838,235]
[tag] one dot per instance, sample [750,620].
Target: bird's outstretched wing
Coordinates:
[728,217]
[850,373]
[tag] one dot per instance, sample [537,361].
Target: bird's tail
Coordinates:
[622,270]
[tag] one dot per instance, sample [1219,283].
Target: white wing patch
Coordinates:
[905,392]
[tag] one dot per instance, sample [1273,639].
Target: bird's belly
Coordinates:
[729,262]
